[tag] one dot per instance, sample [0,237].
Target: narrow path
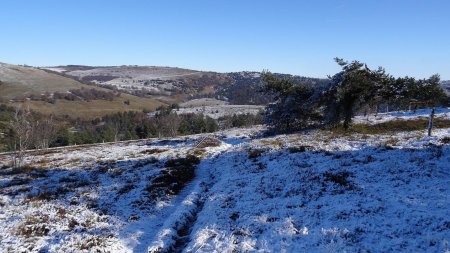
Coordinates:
[175,232]
[169,219]
[172,232]
[151,227]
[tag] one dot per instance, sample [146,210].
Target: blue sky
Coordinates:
[298,37]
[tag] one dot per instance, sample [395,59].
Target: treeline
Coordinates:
[240,120]
[356,89]
[137,125]
[22,129]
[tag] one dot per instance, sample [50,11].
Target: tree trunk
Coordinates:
[430,122]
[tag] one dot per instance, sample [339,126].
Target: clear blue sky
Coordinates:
[407,37]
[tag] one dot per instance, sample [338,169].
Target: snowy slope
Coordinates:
[332,196]
[305,192]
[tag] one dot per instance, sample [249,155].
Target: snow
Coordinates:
[218,111]
[199,102]
[396,200]
[405,115]
[132,78]
[304,192]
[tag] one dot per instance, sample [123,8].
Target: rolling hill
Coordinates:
[176,84]
[18,84]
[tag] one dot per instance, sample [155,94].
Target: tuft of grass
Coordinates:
[272,142]
[255,153]
[154,151]
[72,224]
[92,242]
[73,160]
[339,178]
[34,226]
[445,140]
[300,149]
[199,152]
[390,143]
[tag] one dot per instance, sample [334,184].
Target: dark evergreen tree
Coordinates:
[296,105]
[351,89]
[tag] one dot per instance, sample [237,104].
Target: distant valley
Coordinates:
[92,91]
[176,84]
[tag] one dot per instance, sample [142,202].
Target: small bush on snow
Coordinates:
[445,140]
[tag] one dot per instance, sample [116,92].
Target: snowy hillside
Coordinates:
[218,111]
[237,192]
[238,88]
[152,80]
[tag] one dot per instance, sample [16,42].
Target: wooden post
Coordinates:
[430,122]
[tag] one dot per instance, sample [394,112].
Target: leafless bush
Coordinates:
[22,123]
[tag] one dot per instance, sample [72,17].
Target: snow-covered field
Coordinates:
[218,111]
[305,192]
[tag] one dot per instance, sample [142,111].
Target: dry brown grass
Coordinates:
[21,81]
[272,142]
[34,226]
[91,109]
[198,152]
[48,160]
[73,160]
[209,142]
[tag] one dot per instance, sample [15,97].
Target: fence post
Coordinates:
[430,122]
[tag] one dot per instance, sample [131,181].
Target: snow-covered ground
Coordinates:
[214,108]
[218,111]
[314,193]
[404,115]
[305,192]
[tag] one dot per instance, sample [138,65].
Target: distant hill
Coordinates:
[37,89]
[446,86]
[176,84]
